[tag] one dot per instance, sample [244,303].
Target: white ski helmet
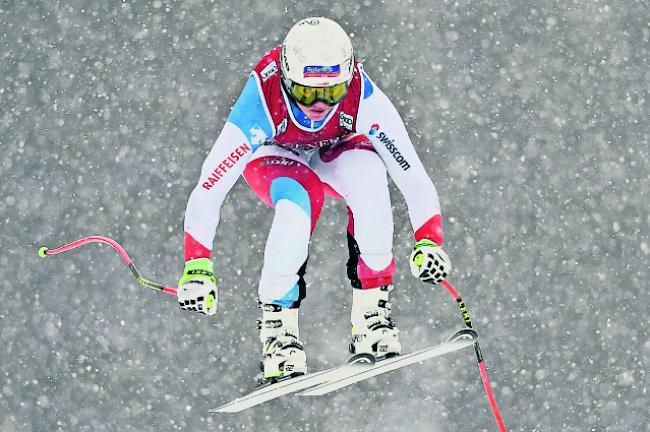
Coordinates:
[316,53]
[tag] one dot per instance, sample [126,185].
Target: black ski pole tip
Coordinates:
[42,251]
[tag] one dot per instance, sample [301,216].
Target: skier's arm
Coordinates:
[380,121]
[246,128]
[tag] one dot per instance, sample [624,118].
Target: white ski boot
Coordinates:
[283,354]
[374,332]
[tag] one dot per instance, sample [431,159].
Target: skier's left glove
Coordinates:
[197,289]
[429,262]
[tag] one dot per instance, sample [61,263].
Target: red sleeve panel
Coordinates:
[431,229]
[194,249]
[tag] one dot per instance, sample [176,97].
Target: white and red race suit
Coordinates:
[292,162]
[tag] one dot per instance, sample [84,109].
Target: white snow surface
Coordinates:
[532,119]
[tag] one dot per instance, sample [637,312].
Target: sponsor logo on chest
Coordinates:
[346,121]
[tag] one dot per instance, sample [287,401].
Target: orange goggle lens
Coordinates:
[310,95]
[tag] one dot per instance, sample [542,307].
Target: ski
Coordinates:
[354,370]
[269,392]
[459,340]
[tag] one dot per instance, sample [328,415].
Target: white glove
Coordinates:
[429,262]
[197,289]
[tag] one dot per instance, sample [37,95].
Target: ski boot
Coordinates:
[374,332]
[283,355]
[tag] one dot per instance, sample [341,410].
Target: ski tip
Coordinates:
[363,358]
[42,251]
[466,334]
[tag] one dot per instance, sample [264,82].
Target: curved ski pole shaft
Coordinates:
[479,358]
[44,251]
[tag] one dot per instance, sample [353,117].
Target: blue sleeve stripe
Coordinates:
[250,115]
[367,86]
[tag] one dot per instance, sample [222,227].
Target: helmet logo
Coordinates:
[373,129]
[321,71]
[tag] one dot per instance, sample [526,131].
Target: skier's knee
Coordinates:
[305,194]
[291,190]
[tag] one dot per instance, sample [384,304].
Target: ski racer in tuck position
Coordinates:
[310,123]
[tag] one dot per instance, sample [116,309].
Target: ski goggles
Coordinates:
[308,96]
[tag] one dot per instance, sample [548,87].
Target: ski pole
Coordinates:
[479,358]
[44,251]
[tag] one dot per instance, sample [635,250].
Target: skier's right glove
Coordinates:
[197,289]
[429,262]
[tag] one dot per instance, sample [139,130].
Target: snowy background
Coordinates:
[532,119]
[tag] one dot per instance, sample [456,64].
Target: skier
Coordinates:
[310,123]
